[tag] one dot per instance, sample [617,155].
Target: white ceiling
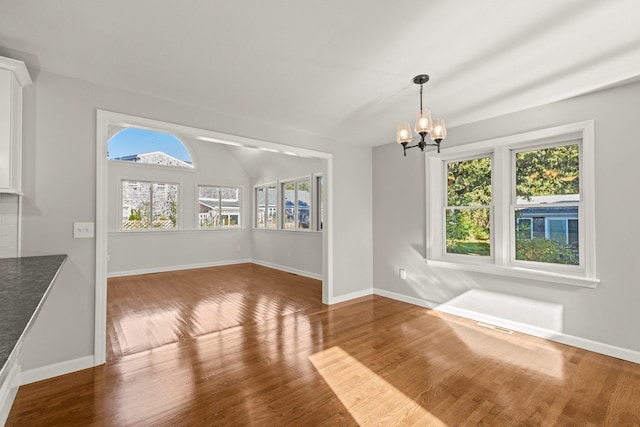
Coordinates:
[341,69]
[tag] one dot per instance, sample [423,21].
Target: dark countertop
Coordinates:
[24,285]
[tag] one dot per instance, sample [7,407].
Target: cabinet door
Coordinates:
[5,128]
[10,132]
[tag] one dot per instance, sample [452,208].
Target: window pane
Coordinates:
[164,205]
[289,196]
[272,201]
[150,147]
[304,203]
[208,206]
[558,230]
[320,184]
[468,231]
[548,175]
[136,205]
[230,207]
[469,182]
[554,232]
[261,207]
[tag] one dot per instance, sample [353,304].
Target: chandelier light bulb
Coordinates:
[423,121]
[439,130]
[403,134]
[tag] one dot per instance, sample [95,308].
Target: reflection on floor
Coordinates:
[151,310]
[264,351]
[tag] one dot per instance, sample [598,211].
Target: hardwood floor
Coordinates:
[148,311]
[254,346]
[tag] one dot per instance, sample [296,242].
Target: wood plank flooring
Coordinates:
[250,346]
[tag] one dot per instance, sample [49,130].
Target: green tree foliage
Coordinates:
[548,171]
[468,184]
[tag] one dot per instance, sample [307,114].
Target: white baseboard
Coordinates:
[562,338]
[56,369]
[8,391]
[350,296]
[287,269]
[164,269]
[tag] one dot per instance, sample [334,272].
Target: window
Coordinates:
[296,202]
[319,202]
[149,205]
[266,200]
[468,210]
[547,193]
[218,207]
[521,205]
[148,147]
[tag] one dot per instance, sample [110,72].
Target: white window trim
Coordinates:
[502,235]
[254,205]
[281,204]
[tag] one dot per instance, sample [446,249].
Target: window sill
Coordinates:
[285,230]
[519,272]
[143,231]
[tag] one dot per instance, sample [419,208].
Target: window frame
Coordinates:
[281,198]
[446,207]
[256,215]
[178,225]
[240,224]
[503,199]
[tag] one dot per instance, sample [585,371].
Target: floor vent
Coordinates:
[494,327]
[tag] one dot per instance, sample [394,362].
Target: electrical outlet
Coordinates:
[403,274]
[83,230]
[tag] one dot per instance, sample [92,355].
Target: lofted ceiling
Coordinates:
[340,69]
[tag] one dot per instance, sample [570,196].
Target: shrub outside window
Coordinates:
[149,205]
[218,207]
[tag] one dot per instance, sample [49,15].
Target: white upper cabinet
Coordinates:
[13,77]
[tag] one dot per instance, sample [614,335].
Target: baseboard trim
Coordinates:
[350,296]
[56,369]
[559,337]
[287,269]
[165,269]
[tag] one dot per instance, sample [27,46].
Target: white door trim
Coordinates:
[106,124]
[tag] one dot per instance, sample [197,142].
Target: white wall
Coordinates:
[605,316]
[59,186]
[297,251]
[188,246]
[8,225]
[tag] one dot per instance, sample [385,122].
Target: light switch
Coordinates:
[83,230]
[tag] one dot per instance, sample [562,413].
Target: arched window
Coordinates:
[150,147]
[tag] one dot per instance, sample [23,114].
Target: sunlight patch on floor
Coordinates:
[369,398]
[539,355]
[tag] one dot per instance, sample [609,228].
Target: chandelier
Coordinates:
[424,125]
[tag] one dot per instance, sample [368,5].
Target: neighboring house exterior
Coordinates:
[155,158]
[551,217]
